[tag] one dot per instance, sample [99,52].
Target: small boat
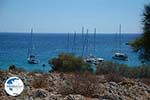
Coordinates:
[120,56]
[31,57]
[93,60]
[32,60]
[99,60]
[90,59]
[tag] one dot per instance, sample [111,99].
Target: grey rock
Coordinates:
[74,97]
[113,83]
[54,97]
[39,93]
[108,97]
[148,90]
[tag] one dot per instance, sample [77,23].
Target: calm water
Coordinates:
[14,48]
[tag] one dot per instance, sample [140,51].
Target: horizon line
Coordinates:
[72,32]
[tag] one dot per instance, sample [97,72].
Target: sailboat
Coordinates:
[91,58]
[120,55]
[99,59]
[31,57]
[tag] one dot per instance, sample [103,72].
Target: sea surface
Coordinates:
[14,48]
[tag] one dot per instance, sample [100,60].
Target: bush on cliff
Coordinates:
[145,71]
[14,69]
[110,67]
[123,70]
[69,63]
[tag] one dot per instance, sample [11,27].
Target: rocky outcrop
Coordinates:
[127,89]
[39,93]
[74,97]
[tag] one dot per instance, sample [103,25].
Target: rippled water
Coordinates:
[14,48]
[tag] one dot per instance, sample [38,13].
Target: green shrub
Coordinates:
[14,69]
[136,44]
[139,72]
[134,72]
[123,70]
[69,63]
[105,68]
[144,71]
[110,67]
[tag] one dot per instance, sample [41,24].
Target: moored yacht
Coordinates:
[93,59]
[32,60]
[120,55]
[31,57]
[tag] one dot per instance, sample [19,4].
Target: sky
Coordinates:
[62,16]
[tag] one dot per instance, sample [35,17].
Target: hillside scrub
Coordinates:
[123,70]
[69,63]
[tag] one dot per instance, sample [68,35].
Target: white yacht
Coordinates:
[31,57]
[120,55]
[92,59]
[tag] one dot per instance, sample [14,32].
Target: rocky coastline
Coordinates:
[71,86]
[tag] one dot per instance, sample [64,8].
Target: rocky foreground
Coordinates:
[60,86]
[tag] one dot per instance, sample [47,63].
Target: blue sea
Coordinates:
[14,48]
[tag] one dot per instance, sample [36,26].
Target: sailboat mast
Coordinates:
[68,41]
[87,44]
[31,41]
[120,37]
[82,42]
[94,40]
[82,33]
[74,43]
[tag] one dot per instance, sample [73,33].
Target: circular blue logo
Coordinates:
[14,86]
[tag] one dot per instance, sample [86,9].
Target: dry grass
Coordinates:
[145,81]
[77,83]
[113,77]
[40,81]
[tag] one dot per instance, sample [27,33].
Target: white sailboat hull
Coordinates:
[33,60]
[120,56]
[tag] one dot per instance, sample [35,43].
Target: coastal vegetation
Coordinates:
[142,44]
[67,81]
[71,63]
[67,62]
[77,86]
[123,70]
[14,69]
